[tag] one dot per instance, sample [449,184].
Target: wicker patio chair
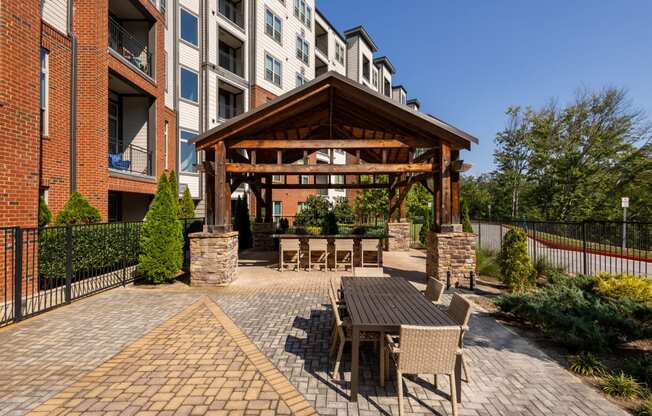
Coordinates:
[434,290]
[289,245]
[460,312]
[320,246]
[343,332]
[424,350]
[368,247]
[344,246]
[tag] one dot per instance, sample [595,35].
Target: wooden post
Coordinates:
[209,189]
[268,199]
[222,195]
[442,205]
[455,191]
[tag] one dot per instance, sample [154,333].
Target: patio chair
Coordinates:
[460,311]
[320,246]
[434,290]
[368,247]
[343,332]
[346,247]
[424,350]
[292,246]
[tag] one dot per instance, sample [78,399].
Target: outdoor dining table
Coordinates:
[383,304]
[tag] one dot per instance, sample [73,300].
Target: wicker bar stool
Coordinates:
[424,350]
[434,290]
[460,311]
[290,246]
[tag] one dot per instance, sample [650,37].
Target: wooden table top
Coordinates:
[385,303]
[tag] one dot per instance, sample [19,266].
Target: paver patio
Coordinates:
[232,351]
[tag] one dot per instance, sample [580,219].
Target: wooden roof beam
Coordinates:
[316,144]
[326,169]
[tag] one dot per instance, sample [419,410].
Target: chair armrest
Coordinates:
[392,344]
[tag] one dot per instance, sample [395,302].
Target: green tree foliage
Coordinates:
[343,211]
[44,213]
[78,211]
[329,224]
[186,205]
[161,238]
[173,186]
[417,201]
[372,203]
[571,162]
[426,227]
[313,212]
[242,223]
[466,219]
[516,269]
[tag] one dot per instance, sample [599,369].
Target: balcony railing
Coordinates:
[228,62]
[231,12]
[129,47]
[130,158]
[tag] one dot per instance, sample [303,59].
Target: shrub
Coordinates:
[466,219]
[425,228]
[621,385]
[313,212]
[174,192]
[646,408]
[186,205]
[516,270]
[161,239]
[544,268]
[486,263]
[641,369]
[586,364]
[283,225]
[78,211]
[342,210]
[243,224]
[569,311]
[44,213]
[329,224]
[625,287]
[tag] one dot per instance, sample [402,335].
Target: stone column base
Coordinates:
[399,236]
[451,251]
[262,236]
[213,258]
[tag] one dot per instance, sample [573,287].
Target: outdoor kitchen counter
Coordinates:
[357,246]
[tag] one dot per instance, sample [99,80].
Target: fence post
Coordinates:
[18,274]
[124,254]
[584,259]
[534,241]
[68,292]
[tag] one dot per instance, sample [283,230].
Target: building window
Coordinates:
[44,91]
[303,50]
[166,138]
[188,27]
[303,12]
[188,158]
[338,179]
[388,88]
[339,53]
[273,26]
[189,88]
[366,67]
[277,178]
[301,79]
[374,78]
[277,209]
[300,206]
[272,70]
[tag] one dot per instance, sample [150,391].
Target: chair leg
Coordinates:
[466,372]
[399,387]
[309,255]
[333,340]
[340,350]
[381,356]
[453,394]
[434,384]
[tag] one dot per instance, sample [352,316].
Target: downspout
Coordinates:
[73,100]
[175,79]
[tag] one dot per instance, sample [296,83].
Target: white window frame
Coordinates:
[301,79]
[181,68]
[44,90]
[273,33]
[339,53]
[183,140]
[272,78]
[303,49]
[303,12]
[183,9]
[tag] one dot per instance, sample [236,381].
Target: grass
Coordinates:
[486,263]
[587,364]
[621,385]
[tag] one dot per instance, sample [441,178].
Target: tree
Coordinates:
[44,213]
[466,219]
[78,211]
[242,223]
[516,269]
[174,192]
[329,224]
[187,205]
[426,227]
[161,238]
[372,203]
[342,210]
[417,201]
[314,210]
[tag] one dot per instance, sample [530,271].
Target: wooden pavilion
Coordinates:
[381,138]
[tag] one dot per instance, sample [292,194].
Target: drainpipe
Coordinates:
[175,77]
[73,100]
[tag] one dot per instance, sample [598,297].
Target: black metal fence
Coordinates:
[587,247]
[42,268]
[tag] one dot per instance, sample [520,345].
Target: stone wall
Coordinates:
[454,251]
[399,236]
[262,236]
[213,258]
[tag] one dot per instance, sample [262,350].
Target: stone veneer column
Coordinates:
[452,250]
[213,258]
[262,236]
[399,236]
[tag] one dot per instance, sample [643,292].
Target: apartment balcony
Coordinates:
[321,40]
[233,11]
[131,34]
[230,54]
[321,67]
[130,159]
[230,101]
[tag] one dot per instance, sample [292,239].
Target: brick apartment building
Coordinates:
[82,106]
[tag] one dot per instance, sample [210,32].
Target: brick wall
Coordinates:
[19,111]
[259,96]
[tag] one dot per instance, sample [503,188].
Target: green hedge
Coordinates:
[96,249]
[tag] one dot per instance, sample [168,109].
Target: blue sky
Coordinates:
[467,61]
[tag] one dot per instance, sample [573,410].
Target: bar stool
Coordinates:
[344,246]
[319,245]
[370,246]
[289,245]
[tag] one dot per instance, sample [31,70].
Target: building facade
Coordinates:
[110,93]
